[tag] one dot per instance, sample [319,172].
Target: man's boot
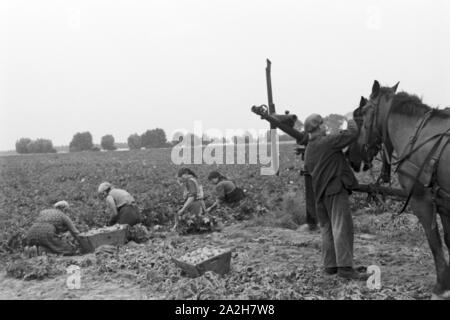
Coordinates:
[330,271]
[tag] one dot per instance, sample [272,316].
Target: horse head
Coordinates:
[374,115]
[355,154]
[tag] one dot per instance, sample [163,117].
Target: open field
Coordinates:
[271,259]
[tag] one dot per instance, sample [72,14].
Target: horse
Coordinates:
[401,123]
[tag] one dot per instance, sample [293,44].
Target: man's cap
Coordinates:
[312,122]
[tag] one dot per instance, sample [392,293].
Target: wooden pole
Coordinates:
[386,191]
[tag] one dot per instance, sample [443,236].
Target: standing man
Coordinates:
[332,181]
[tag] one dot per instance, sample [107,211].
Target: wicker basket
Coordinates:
[89,242]
[219,264]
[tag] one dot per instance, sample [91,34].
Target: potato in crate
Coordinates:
[115,235]
[197,262]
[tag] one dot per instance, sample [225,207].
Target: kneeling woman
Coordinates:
[121,204]
[46,231]
[192,194]
[226,191]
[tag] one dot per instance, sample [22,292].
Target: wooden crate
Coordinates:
[219,264]
[117,237]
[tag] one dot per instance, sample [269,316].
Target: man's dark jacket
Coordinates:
[326,162]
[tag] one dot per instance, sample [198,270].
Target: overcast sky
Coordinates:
[120,67]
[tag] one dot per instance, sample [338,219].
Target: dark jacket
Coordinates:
[327,164]
[227,192]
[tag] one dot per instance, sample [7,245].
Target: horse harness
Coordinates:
[433,157]
[385,146]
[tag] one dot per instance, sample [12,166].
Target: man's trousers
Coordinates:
[336,224]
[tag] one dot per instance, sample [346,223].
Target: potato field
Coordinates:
[271,258]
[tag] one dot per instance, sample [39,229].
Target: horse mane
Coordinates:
[411,105]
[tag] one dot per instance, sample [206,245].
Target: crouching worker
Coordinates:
[193,194]
[46,232]
[121,204]
[226,191]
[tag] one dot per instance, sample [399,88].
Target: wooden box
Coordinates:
[115,236]
[219,264]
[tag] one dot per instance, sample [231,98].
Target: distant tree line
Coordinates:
[82,141]
[26,145]
[154,138]
[334,122]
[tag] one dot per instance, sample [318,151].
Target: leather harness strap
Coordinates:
[435,163]
[427,159]
[437,156]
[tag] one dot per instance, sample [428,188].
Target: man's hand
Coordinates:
[77,238]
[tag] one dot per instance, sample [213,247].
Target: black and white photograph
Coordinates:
[237,152]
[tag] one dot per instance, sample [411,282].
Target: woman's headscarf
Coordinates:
[186,171]
[61,205]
